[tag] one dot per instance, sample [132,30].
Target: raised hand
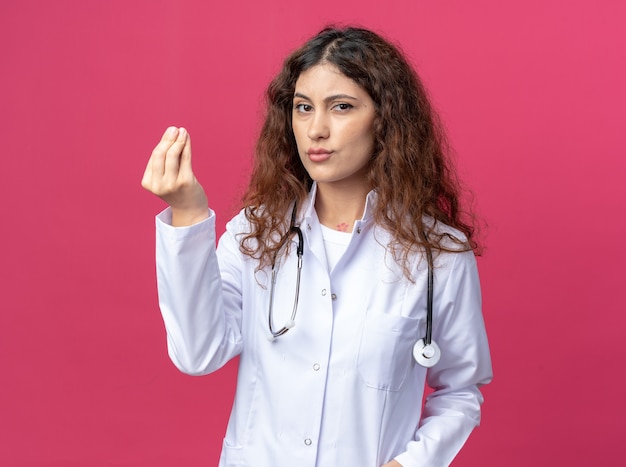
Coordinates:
[169,176]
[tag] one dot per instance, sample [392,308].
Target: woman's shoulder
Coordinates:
[239,224]
[448,237]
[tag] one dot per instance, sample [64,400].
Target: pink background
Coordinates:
[532,94]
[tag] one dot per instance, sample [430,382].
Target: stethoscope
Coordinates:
[425,351]
[293,228]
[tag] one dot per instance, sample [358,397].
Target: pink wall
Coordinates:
[533,95]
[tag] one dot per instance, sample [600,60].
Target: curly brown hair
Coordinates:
[410,170]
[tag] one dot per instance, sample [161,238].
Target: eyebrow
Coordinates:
[327,99]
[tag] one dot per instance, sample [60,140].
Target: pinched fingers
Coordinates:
[163,171]
[155,168]
[166,154]
[173,154]
[169,175]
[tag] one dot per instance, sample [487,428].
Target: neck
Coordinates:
[338,208]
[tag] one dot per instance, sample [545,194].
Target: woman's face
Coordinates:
[332,121]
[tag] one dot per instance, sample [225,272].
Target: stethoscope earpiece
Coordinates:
[427,355]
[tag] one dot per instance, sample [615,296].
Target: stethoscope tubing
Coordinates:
[429,298]
[300,252]
[425,351]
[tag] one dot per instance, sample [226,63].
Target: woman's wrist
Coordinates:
[187,217]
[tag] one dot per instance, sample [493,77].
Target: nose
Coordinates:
[318,127]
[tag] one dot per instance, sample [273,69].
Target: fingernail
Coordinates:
[171,131]
[181,132]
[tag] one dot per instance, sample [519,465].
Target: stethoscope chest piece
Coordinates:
[427,355]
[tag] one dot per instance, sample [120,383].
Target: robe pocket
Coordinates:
[232,456]
[386,350]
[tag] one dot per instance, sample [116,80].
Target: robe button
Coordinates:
[316,367]
[324,292]
[334,296]
[308,441]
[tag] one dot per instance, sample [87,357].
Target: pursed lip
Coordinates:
[317,151]
[318,154]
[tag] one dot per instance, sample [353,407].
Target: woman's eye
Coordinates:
[343,106]
[303,107]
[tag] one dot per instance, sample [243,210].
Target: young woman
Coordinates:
[351,229]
